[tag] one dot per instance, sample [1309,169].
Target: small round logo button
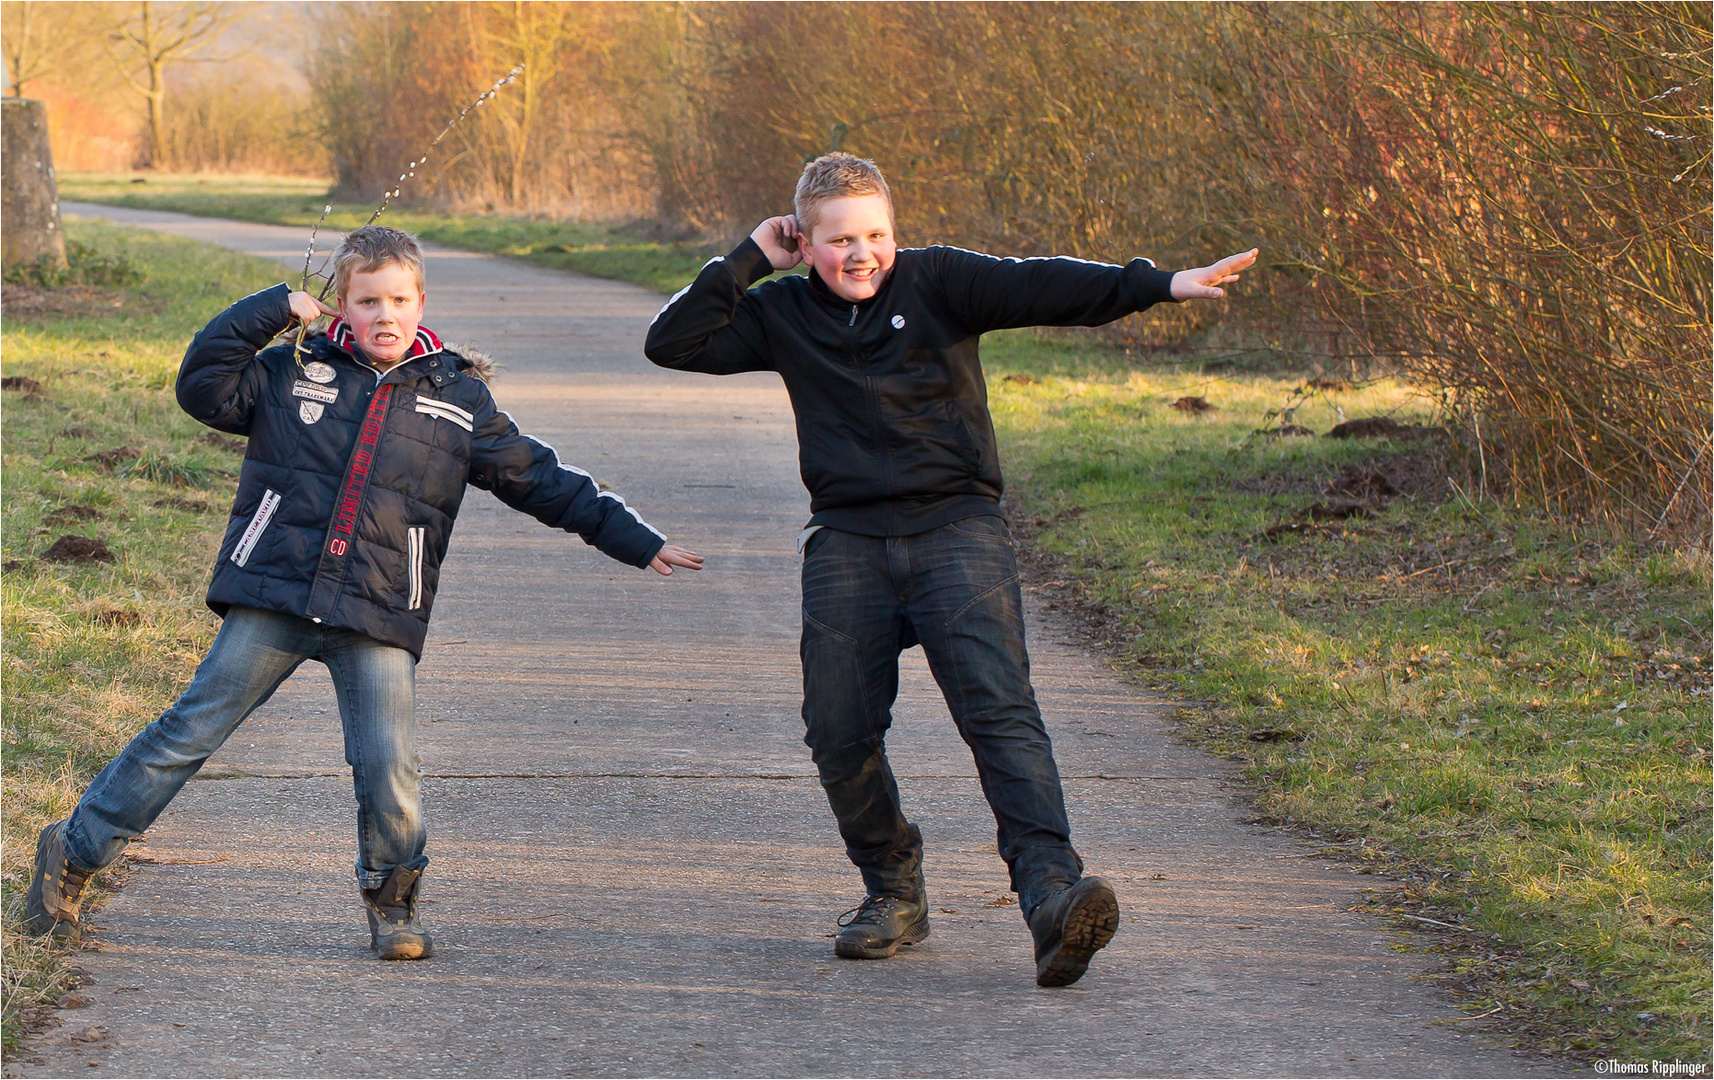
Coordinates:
[898,322]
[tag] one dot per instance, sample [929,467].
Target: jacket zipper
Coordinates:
[853,321]
[258,522]
[329,578]
[415,537]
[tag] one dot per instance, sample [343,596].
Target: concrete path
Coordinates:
[635,872]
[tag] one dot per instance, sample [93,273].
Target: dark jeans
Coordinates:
[252,655]
[954,590]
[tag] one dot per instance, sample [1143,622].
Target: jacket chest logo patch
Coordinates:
[314,393]
[446,410]
[898,322]
[316,371]
[310,411]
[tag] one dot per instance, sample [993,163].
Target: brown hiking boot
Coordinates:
[394,932]
[1070,927]
[56,890]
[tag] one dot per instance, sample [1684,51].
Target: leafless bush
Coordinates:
[211,129]
[1509,202]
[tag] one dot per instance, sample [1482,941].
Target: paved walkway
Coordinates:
[635,872]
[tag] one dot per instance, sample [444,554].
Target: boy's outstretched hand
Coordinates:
[777,237]
[669,557]
[1204,283]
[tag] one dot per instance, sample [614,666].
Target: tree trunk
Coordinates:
[157,115]
[29,194]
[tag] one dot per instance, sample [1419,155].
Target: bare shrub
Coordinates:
[1511,200]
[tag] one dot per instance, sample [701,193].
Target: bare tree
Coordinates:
[154,37]
[44,40]
[21,36]
[530,34]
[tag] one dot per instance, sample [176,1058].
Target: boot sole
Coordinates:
[851,950]
[37,919]
[405,950]
[1090,924]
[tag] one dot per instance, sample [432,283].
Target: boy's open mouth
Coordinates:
[385,337]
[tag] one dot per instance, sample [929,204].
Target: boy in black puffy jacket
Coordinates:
[878,350]
[360,448]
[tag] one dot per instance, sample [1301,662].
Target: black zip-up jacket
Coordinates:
[894,436]
[353,478]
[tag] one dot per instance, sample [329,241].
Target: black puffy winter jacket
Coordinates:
[894,435]
[353,477]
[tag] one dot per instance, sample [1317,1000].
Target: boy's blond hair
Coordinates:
[834,176]
[369,249]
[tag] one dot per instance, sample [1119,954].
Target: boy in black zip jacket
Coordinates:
[906,545]
[360,450]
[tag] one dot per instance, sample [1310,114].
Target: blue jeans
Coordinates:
[955,591]
[253,654]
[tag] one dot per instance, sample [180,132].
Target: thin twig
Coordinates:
[1479,592]
[1436,922]
[1680,489]
[303,282]
[422,159]
[1432,569]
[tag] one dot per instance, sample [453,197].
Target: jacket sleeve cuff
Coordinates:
[638,547]
[749,265]
[1152,286]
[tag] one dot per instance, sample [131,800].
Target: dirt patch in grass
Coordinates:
[71,515]
[114,458]
[20,301]
[1374,478]
[1379,427]
[223,442]
[78,549]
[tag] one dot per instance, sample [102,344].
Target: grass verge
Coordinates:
[1507,715]
[633,253]
[96,447]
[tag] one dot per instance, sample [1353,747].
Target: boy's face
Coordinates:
[852,245]
[383,308]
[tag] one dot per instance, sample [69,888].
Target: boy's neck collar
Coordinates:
[820,289]
[427,342]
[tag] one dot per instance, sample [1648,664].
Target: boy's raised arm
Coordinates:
[219,380]
[526,474]
[713,325]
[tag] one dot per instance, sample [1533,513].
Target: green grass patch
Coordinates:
[95,446]
[623,252]
[1508,715]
